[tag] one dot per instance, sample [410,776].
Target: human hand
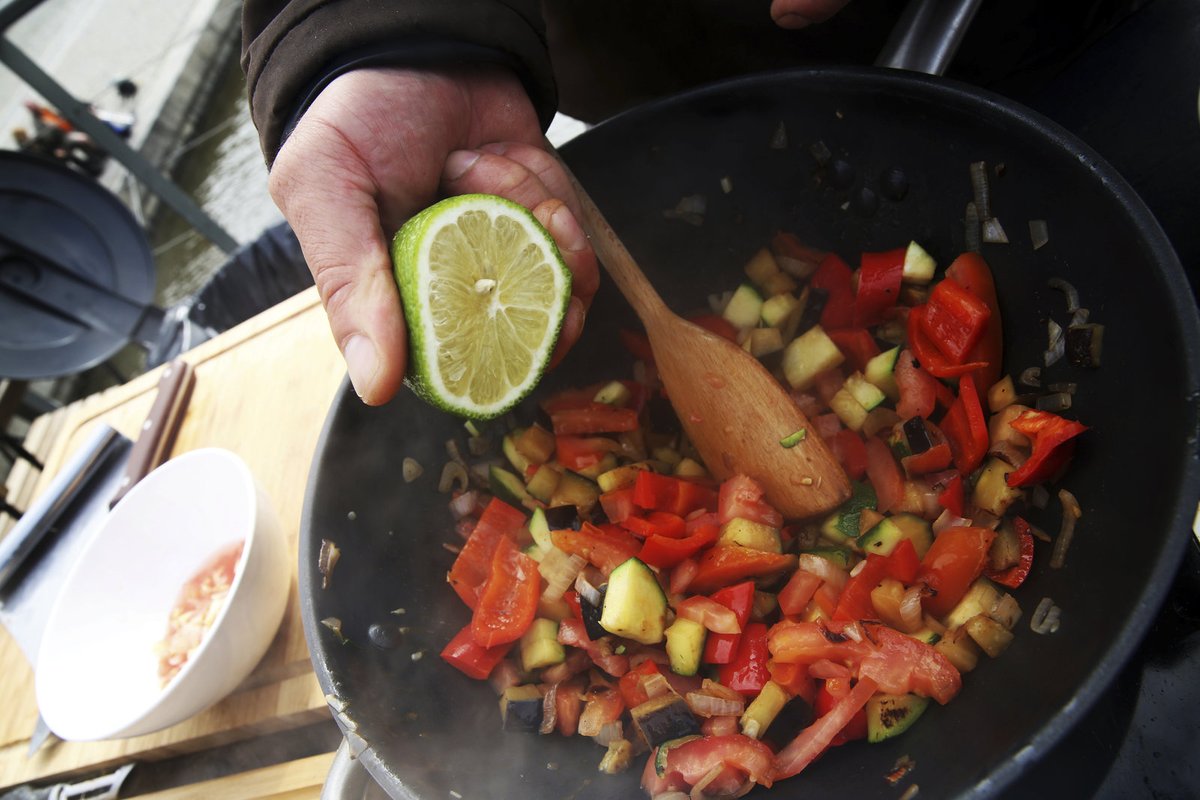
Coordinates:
[379,145]
[796,14]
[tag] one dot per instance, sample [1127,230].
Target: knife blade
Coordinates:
[158,432]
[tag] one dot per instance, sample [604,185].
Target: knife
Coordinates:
[158,432]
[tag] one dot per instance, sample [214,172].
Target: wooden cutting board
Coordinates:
[262,390]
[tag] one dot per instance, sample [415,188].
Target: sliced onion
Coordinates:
[985,519]
[698,791]
[327,559]
[854,632]
[559,570]
[910,607]
[1071,513]
[824,569]
[949,520]
[1039,232]
[503,676]
[453,474]
[1057,346]
[1039,497]
[705,705]
[980,189]
[1058,401]
[672,796]
[1007,611]
[709,613]
[1045,617]
[466,504]
[1032,376]
[972,233]
[410,469]
[993,231]
[549,710]
[1008,452]
[1067,289]
[587,590]
[656,685]
[609,733]
[1080,317]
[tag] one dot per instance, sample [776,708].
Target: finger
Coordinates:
[575,247]
[796,14]
[545,165]
[572,329]
[331,208]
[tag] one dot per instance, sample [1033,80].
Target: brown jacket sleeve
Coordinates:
[291,50]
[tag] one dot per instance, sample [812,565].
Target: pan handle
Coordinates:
[927,35]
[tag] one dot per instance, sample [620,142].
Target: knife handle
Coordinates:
[158,432]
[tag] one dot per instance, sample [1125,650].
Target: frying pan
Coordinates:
[424,731]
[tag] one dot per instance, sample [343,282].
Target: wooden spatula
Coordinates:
[734,411]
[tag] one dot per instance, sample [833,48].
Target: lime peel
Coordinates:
[485,291]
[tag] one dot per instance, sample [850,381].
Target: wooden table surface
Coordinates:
[262,390]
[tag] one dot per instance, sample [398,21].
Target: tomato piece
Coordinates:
[813,740]
[1015,575]
[855,602]
[850,451]
[722,648]
[971,272]
[473,564]
[571,632]
[630,684]
[879,277]
[835,277]
[568,704]
[966,427]
[741,498]
[593,418]
[617,504]
[606,548]
[954,560]
[466,655]
[884,474]
[509,598]
[857,344]
[918,394]
[794,597]
[795,679]
[900,664]
[675,495]
[721,566]
[808,642]
[579,397]
[709,613]
[952,498]
[657,523]
[747,673]
[832,691]
[903,563]
[693,760]
[1053,447]
[935,459]
[666,552]
[581,452]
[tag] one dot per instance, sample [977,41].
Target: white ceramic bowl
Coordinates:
[97,669]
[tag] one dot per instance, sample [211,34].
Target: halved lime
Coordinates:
[485,290]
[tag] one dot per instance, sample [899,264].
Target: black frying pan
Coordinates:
[430,731]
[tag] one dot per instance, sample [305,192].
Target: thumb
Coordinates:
[337,224]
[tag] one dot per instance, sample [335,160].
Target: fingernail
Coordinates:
[362,362]
[793,21]
[458,162]
[566,230]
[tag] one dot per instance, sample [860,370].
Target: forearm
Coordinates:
[291,50]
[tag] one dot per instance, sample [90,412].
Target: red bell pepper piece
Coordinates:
[724,565]
[509,598]
[581,452]
[721,648]
[884,474]
[850,451]
[856,344]
[955,320]
[617,504]
[794,678]
[664,493]
[465,655]
[934,459]
[665,552]
[903,563]
[955,559]
[606,548]
[1015,575]
[952,498]
[1053,446]
[794,597]
[836,278]
[966,427]
[879,277]
[971,272]
[748,673]
[593,418]
[657,523]
[855,602]
[930,356]
[630,684]
[474,562]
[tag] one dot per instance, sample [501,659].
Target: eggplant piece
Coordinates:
[663,718]
[561,518]
[1084,344]
[795,716]
[521,708]
[591,615]
[917,435]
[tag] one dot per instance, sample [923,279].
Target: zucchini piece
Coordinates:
[754,535]
[660,758]
[515,457]
[535,443]
[664,718]
[635,606]
[777,309]
[521,708]
[919,266]
[762,342]
[981,598]
[883,537]
[621,477]
[992,637]
[782,283]
[613,393]
[763,709]
[607,463]
[618,757]
[808,355]
[992,492]
[849,410]
[544,482]
[838,555]
[927,635]
[866,393]
[881,372]
[841,527]
[576,490]
[890,715]
[744,308]
[540,647]
[685,645]
[959,649]
[761,267]
[508,487]
[690,468]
